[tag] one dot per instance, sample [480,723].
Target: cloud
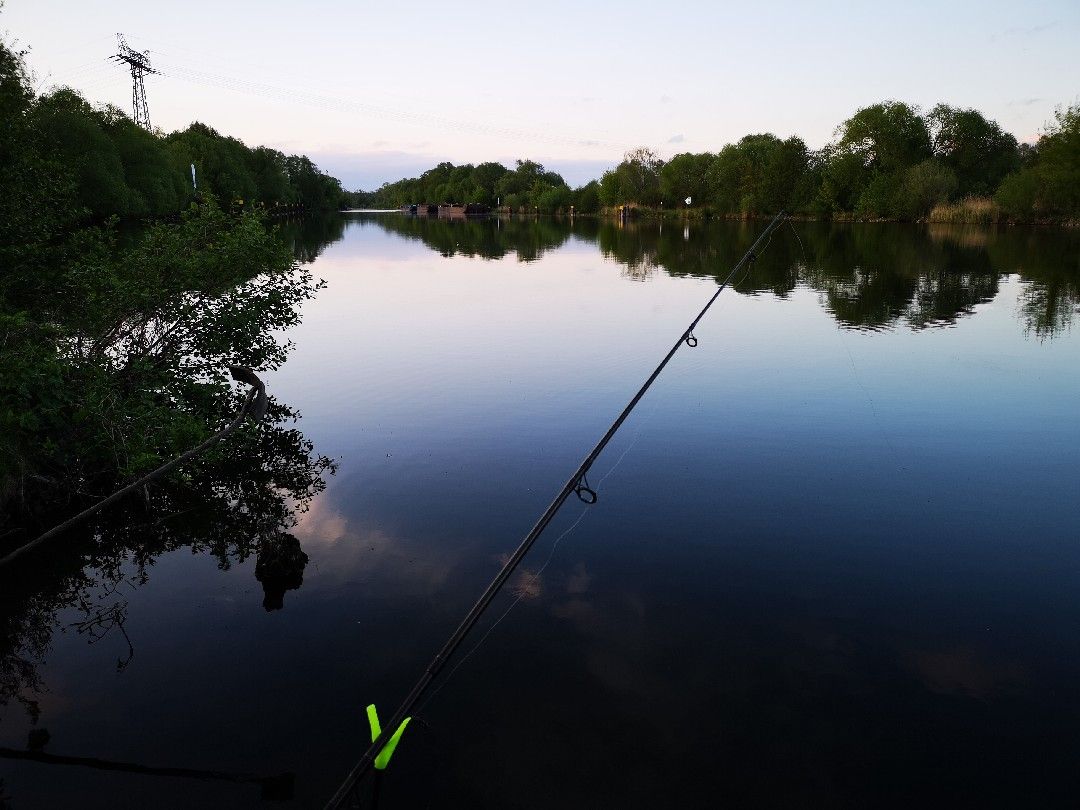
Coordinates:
[345,550]
[1030,30]
[666,99]
[677,138]
[578,581]
[1023,102]
[962,670]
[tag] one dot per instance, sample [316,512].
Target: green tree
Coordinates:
[312,188]
[759,174]
[586,200]
[73,134]
[888,137]
[1059,163]
[639,176]
[844,178]
[552,199]
[975,149]
[782,183]
[864,168]
[610,189]
[270,170]
[220,163]
[684,176]
[923,186]
[157,181]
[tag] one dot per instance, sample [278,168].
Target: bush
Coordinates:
[877,199]
[1018,194]
[925,185]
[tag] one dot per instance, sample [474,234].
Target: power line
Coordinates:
[217,71]
[372,110]
[139,62]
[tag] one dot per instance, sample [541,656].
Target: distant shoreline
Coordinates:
[948,216]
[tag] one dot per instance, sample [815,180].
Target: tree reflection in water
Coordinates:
[870,276]
[238,505]
[240,499]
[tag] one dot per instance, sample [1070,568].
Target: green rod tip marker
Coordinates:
[383,758]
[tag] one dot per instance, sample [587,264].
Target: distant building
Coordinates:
[446,210]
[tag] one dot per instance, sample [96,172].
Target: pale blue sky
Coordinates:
[375,91]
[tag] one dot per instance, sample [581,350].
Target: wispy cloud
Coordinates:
[1030,30]
[677,138]
[1023,102]
[666,99]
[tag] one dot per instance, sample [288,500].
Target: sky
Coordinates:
[373,92]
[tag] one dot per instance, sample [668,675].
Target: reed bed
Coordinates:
[969,211]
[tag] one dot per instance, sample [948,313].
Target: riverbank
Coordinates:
[970,211]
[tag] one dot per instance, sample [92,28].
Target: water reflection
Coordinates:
[235,500]
[869,276]
[242,503]
[488,238]
[311,235]
[822,568]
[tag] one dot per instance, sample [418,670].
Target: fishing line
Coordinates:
[869,399]
[798,238]
[854,370]
[626,451]
[576,484]
[547,562]
[498,621]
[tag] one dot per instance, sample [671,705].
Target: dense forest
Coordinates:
[117,341]
[116,347]
[888,161]
[526,187]
[119,169]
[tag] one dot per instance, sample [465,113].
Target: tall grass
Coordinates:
[969,211]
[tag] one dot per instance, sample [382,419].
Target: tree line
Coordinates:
[527,187]
[117,168]
[887,161]
[116,342]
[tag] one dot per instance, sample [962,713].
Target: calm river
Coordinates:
[835,560]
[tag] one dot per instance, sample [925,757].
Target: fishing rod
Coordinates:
[254,405]
[578,485]
[275,787]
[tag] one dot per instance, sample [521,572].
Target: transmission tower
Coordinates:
[140,66]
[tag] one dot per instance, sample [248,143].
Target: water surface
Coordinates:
[834,562]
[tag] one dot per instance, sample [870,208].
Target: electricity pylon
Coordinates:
[140,66]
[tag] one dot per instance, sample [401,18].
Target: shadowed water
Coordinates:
[834,562]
